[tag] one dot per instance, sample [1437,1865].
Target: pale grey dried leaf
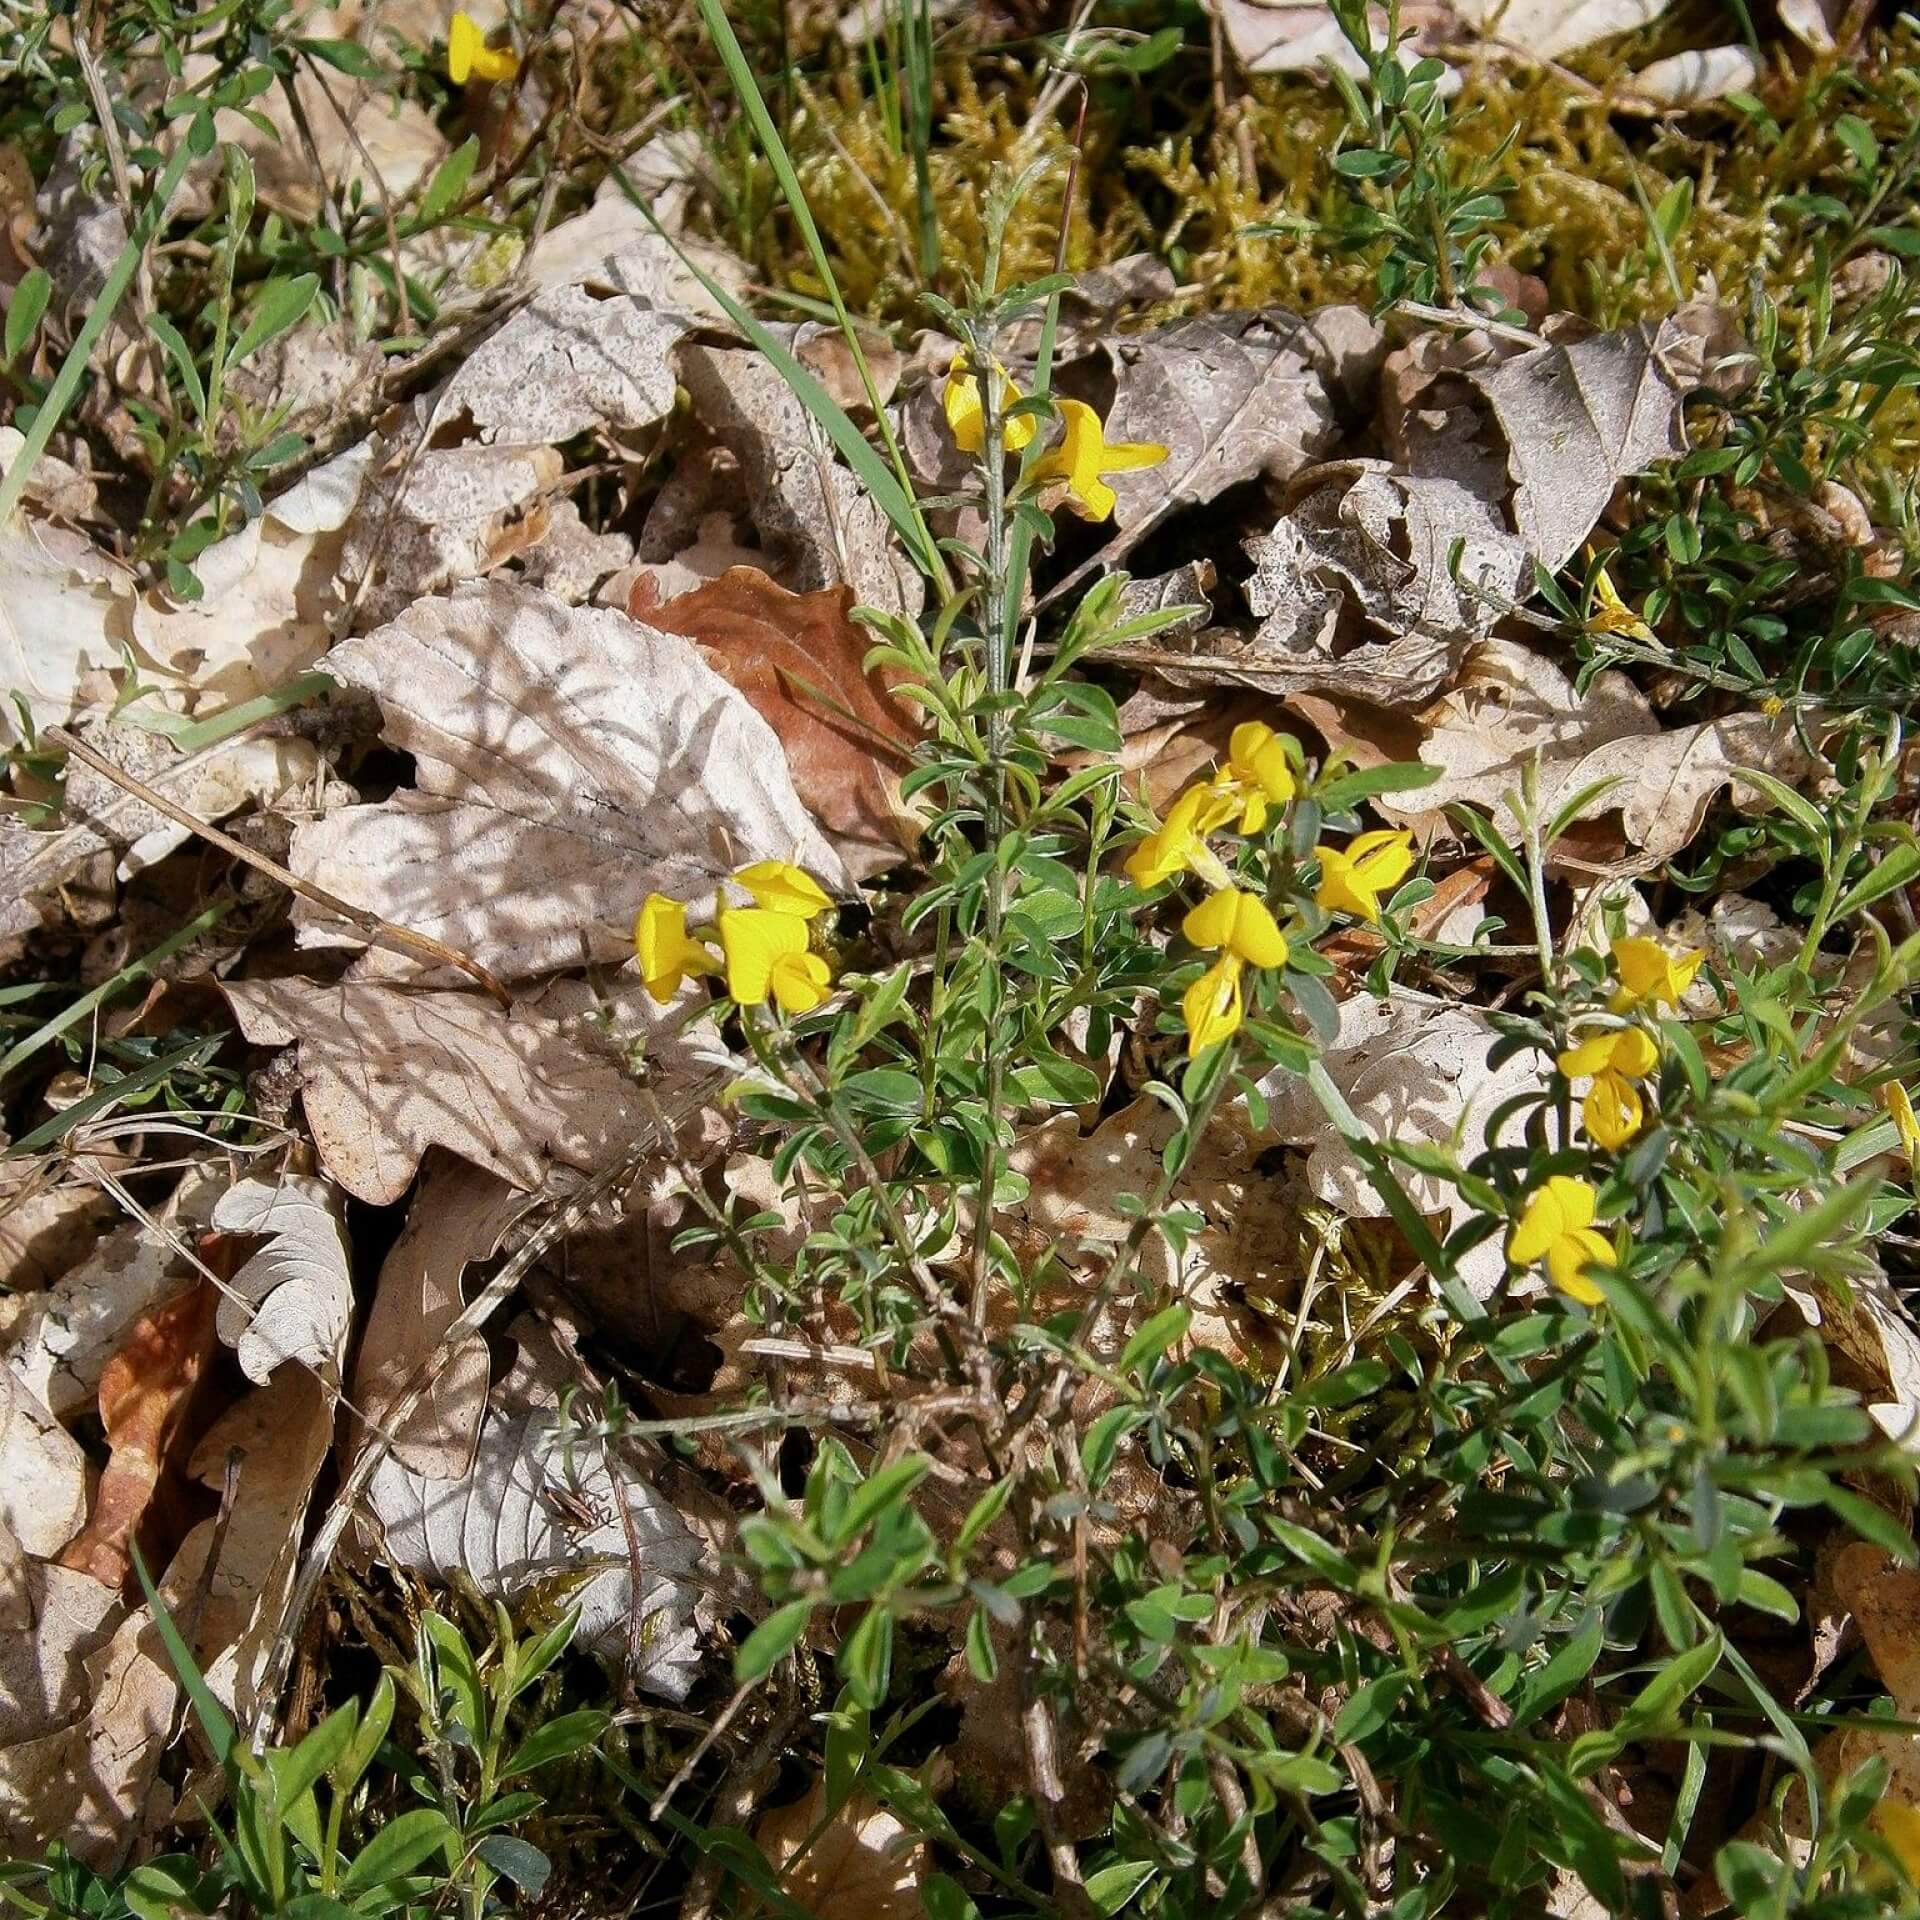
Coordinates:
[1812,22]
[1301,36]
[386,1072]
[1550,28]
[1581,418]
[569,559]
[1384,542]
[293,1300]
[1232,396]
[822,526]
[1511,705]
[568,363]
[569,761]
[540,1504]
[458,1215]
[62,1618]
[1696,77]
[66,614]
[1416,1070]
[45,1482]
[1190,586]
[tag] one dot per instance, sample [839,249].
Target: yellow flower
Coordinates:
[665,952]
[1258,773]
[1611,614]
[1612,1110]
[1085,456]
[1649,974]
[1557,1226]
[1212,1006]
[469,55]
[1239,924]
[781,888]
[767,954]
[1899,1825]
[967,414]
[1352,878]
[1894,1097]
[1181,844]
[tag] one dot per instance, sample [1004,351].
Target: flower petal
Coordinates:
[753,939]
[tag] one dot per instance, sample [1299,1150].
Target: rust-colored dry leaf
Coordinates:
[146,1397]
[797,658]
[866,1865]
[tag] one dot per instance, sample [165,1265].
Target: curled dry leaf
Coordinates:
[293,1300]
[1697,77]
[570,761]
[797,658]
[1416,1070]
[866,1864]
[1581,418]
[820,525]
[1510,705]
[147,1393]
[1385,543]
[386,1072]
[458,1215]
[542,1502]
[1550,28]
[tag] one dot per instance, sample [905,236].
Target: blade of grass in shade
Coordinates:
[894,500]
[733,55]
[135,970]
[66,383]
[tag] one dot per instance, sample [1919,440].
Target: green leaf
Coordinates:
[1349,789]
[295,1772]
[517,1860]
[1801,810]
[1367,163]
[210,1713]
[26,309]
[396,1849]
[449,182]
[1112,1887]
[771,1641]
[1895,871]
[282,304]
[554,1741]
[874,1496]
[544,1652]
[347,55]
[1572,1661]
[1153,1339]
[866,1660]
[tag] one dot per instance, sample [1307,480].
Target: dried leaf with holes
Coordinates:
[541,1502]
[797,658]
[569,762]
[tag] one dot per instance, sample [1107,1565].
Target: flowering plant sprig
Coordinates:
[765,949]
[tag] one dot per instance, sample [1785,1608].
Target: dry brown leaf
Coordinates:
[458,1215]
[1232,396]
[613,247]
[1511,704]
[1581,418]
[569,762]
[1299,36]
[387,1071]
[147,1393]
[797,658]
[1413,1069]
[867,1864]
[821,526]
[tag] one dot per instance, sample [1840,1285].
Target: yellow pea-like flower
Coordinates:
[782,888]
[1611,614]
[1180,845]
[1085,456]
[1213,1007]
[1239,924]
[1899,1105]
[1556,1225]
[967,413]
[767,958]
[469,56]
[1353,877]
[1258,773]
[1649,974]
[665,952]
